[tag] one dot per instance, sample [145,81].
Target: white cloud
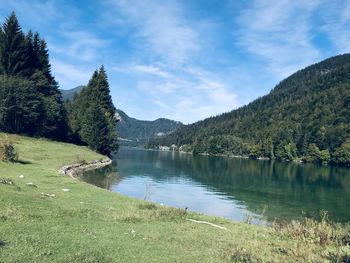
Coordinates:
[152,70]
[35,11]
[280,33]
[69,76]
[161,28]
[190,96]
[81,45]
[337,24]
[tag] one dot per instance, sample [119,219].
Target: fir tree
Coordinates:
[13,55]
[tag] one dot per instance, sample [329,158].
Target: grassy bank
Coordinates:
[40,222]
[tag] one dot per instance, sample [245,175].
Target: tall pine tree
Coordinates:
[92,115]
[13,53]
[26,57]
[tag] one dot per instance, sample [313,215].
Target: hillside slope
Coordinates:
[69,94]
[136,132]
[307,116]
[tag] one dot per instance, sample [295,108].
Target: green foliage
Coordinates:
[311,106]
[30,100]
[20,106]
[342,154]
[91,115]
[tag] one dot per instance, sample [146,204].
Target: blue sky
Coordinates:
[185,59]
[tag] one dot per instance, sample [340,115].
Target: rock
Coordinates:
[65,190]
[47,195]
[21,176]
[6,181]
[74,170]
[32,185]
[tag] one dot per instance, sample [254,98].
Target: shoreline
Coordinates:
[72,170]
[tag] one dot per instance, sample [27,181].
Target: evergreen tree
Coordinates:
[103,92]
[27,57]
[20,106]
[94,130]
[13,54]
[91,115]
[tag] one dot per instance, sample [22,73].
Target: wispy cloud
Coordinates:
[337,23]
[192,95]
[35,11]
[143,69]
[81,45]
[280,33]
[162,27]
[69,75]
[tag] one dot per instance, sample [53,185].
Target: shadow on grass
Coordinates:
[23,162]
[2,243]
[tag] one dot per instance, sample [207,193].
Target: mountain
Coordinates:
[69,94]
[132,131]
[305,117]
[137,132]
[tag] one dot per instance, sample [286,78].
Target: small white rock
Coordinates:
[132,231]
[65,190]
[21,176]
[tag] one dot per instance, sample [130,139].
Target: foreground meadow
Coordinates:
[46,217]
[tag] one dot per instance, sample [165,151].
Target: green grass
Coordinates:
[88,224]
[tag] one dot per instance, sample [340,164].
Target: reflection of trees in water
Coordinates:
[104,177]
[288,189]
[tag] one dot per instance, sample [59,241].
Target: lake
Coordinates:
[239,189]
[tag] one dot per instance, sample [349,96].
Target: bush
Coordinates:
[8,152]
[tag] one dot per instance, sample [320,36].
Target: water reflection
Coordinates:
[104,177]
[232,187]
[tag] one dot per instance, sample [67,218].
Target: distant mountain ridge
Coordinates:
[305,117]
[69,94]
[132,131]
[138,132]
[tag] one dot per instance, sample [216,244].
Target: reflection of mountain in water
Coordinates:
[287,189]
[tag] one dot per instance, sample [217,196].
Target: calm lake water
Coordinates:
[234,188]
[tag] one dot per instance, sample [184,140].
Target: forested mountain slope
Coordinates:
[69,94]
[307,115]
[138,132]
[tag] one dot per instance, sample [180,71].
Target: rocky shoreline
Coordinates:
[73,170]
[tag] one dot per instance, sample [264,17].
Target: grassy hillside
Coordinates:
[307,116]
[88,224]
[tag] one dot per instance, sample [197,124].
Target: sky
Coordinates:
[184,59]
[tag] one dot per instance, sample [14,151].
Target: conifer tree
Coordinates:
[13,54]
[103,92]
[91,115]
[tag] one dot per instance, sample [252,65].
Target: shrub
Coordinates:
[8,152]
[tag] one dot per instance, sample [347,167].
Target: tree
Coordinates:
[91,115]
[13,53]
[20,106]
[27,58]
[94,129]
[342,153]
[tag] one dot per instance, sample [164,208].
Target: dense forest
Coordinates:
[31,102]
[305,117]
